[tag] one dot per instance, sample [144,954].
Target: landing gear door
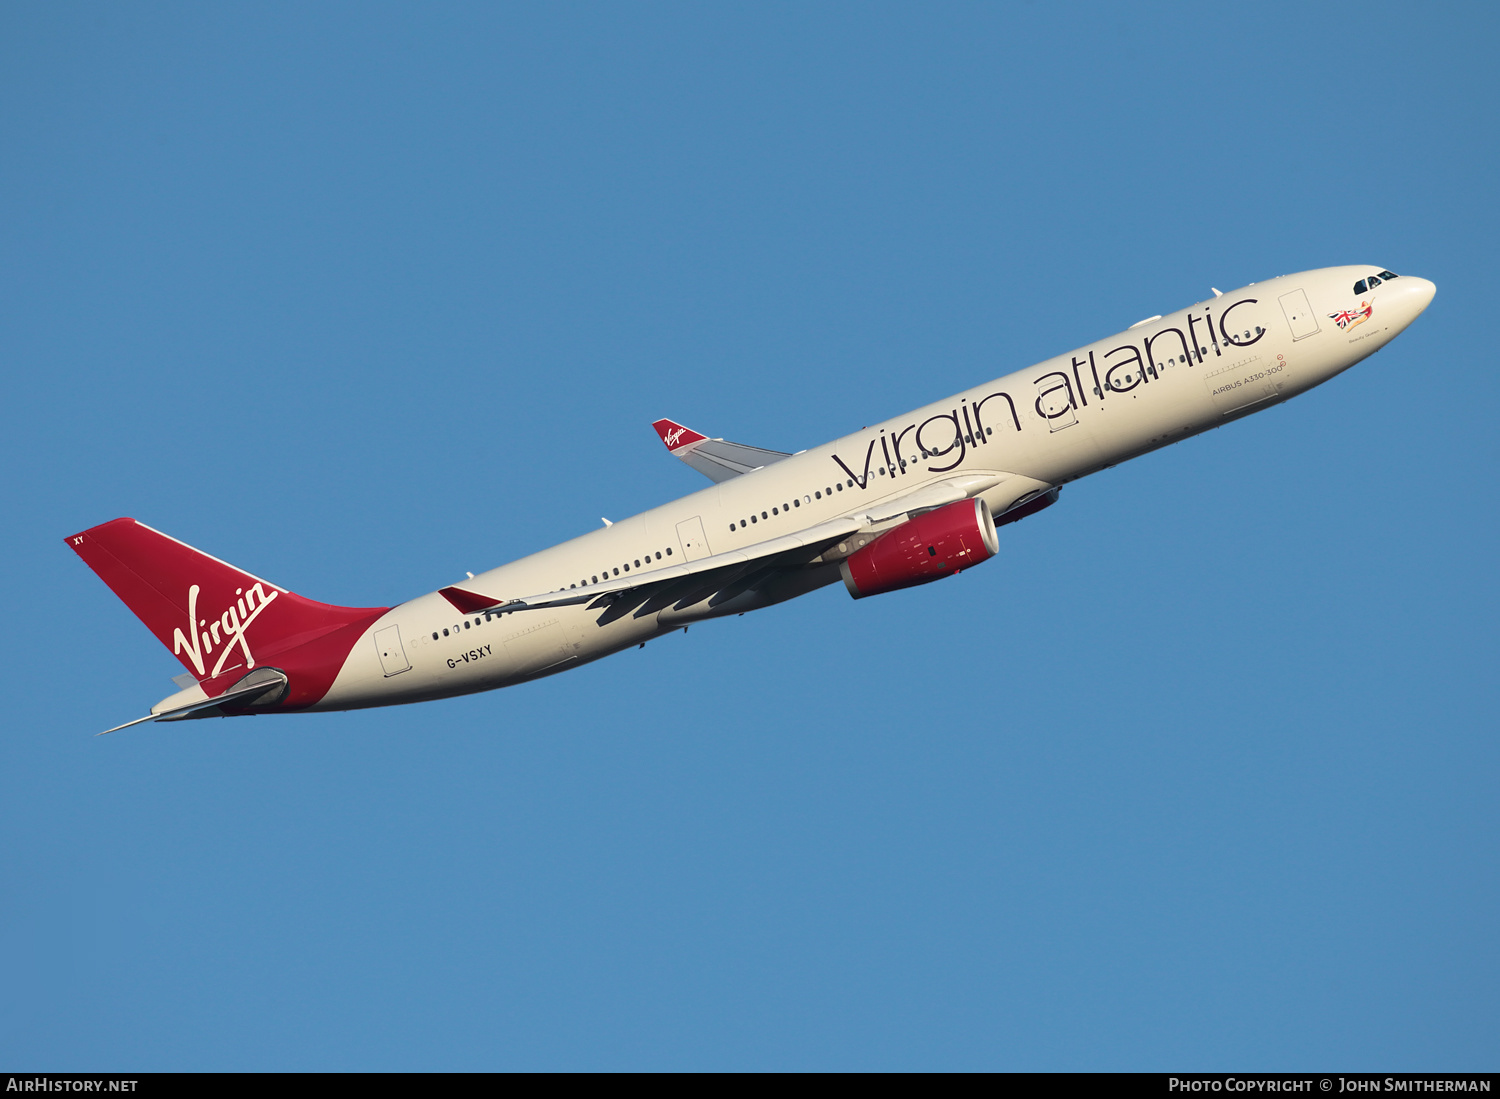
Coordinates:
[392,655]
[690,535]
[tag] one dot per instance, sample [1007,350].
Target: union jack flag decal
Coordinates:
[1348,318]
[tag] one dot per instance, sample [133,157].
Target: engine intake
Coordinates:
[935,544]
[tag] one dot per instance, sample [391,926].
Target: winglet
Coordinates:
[714,458]
[675,435]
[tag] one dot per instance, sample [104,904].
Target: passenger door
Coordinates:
[690,536]
[392,654]
[1299,314]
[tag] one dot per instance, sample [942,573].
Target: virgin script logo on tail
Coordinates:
[228,630]
[672,437]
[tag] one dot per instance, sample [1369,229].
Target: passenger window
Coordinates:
[669,551]
[596,580]
[434,637]
[638,564]
[819,495]
[658,555]
[840,485]
[763,515]
[627,566]
[731,526]
[775,511]
[617,572]
[753,519]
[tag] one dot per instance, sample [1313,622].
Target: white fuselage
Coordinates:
[1153,384]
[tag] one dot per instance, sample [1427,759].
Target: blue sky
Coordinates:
[1198,773]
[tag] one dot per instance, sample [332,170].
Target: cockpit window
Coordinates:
[1373,281]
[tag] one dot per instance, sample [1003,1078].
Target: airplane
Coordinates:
[907,501]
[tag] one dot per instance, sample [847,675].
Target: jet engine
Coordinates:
[935,544]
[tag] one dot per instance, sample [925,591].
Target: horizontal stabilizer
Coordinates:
[714,458]
[262,685]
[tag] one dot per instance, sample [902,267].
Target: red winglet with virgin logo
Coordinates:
[219,621]
[675,435]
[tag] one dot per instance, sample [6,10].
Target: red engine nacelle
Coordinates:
[929,547]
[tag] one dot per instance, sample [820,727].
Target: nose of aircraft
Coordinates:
[1415,294]
[1419,293]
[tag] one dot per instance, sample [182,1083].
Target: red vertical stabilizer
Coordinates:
[218,620]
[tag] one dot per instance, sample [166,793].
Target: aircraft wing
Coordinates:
[789,550]
[714,458]
[722,569]
[934,495]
